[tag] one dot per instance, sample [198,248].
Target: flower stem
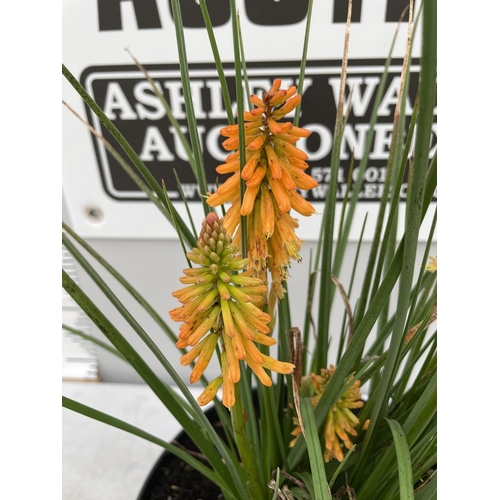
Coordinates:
[255,487]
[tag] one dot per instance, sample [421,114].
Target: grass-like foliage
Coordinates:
[314,435]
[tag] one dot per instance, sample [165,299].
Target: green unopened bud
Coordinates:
[226,278]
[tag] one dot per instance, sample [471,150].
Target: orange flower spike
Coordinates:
[340,422]
[219,305]
[272,172]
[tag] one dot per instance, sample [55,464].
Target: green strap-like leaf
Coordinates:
[320,483]
[218,62]
[188,101]
[404,460]
[303,62]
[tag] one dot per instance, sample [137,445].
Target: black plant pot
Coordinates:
[173,479]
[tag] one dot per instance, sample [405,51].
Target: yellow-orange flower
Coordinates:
[219,304]
[340,421]
[432,266]
[273,171]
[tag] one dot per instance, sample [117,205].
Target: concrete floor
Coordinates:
[101,462]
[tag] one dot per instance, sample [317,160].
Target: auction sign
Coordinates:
[99,38]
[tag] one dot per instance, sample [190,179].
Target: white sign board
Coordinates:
[104,202]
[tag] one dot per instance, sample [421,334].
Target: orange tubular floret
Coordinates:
[278,98]
[258,111]
[280,194]
[301,179]
[260,372]
[286,179]
[258,175]
[251,162]
[228,168]
[249,199]
[249,117]
[289,106]
[256,143]
[273,126]
[233,365]
[256,101]
[275,86]
[300,205]
[300,132]
[273,162]
[290,150]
